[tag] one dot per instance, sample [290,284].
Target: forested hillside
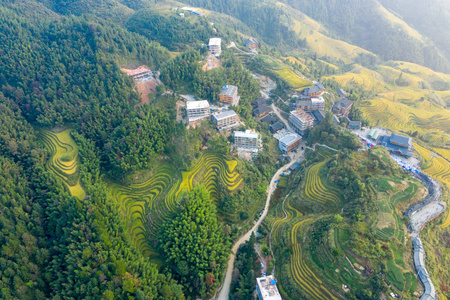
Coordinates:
[369,25]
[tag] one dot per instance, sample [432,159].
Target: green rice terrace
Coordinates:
[64,159]
[318,254]
[147,205]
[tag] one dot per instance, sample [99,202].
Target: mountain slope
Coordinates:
[370,25]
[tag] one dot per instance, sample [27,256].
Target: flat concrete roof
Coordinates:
[197,104]
[215,42]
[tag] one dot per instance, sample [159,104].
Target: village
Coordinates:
[307,109]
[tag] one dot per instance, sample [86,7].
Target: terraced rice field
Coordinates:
[366,79]
[147,205]
[64,159]
[438,168]
[295,81]
[303,275]
[398,116]
[316,190]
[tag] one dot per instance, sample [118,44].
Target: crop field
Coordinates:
[398,116]
[64,159]
[316,191]
[366,79]
[295,81]
[438,168]
[147,205]
[303,275]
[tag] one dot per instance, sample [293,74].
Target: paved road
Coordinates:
[276,110]
[331,95]
[225,290]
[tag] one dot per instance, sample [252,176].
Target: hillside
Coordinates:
[105,196]
[372,26]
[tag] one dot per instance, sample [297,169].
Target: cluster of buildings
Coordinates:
[225,119]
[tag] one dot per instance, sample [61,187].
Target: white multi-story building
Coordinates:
[289,142]
[300,121]
[247,140]
[197,110]
[225,120]
[215,46]
[311,104]
[267,288]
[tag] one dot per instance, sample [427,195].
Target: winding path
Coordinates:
[225,289]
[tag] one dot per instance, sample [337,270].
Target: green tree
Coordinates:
[194,244]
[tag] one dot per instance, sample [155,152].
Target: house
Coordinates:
[343,107]
[289,142]
[141,74]
[194,11]
[276,127]
[261,111]
[225,120]
[267,288]
[353,124]
[314,91]
[259,102]
[300,121]
[318,115]
[269,119]
[215,46]
[398,144]
[181,15]
[311,104]
[251,43]
[197,110]
[247,140]
[229,95]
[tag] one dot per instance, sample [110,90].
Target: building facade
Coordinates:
[197,110]
[229,95]
[311,104]
[247,140]
[301,121]
[141,74]
[314,91]
[343,107]
[225,120]
[261,111]
[215,46]
[289,142]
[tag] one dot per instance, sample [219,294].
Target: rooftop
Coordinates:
[290,139]
[343,103]
[228,90]
[251,41]
[268,119]
[318,87]
[401,139]
[260,101]
[317,100]
[261,109]
[302,115]
[215,42]
[197,104]
[277,126]
[140,70]
[246,134]
[224,114]
[268,288]
[354,123]
[318,115]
